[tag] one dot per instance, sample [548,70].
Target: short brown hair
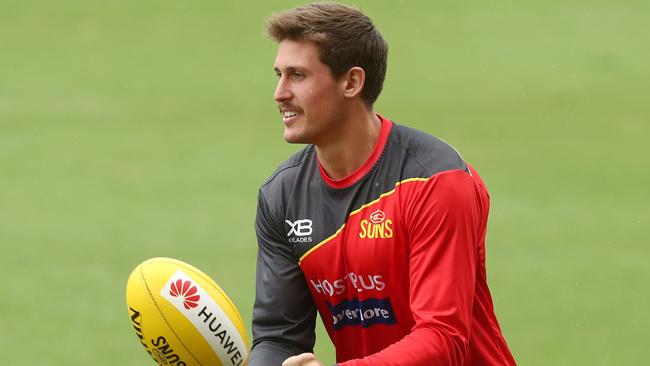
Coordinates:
[345,36]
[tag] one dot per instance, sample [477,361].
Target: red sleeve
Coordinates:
[446,222]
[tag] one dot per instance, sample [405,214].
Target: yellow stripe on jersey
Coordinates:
[321,243]
[359,210]
[387,193]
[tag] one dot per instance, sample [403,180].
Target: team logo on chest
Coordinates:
[376,226]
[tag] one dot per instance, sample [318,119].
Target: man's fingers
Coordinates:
[304,359]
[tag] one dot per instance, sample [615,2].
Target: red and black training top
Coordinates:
[392,257]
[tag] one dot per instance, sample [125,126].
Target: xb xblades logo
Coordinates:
[301,229]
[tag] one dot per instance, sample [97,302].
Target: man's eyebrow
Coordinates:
[290,69]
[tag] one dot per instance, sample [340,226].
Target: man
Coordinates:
[378,227]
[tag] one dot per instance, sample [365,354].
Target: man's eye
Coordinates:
[298,75]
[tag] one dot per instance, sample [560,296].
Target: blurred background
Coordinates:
[135,129]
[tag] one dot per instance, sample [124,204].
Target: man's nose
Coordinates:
[281,91]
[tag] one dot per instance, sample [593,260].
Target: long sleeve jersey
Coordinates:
[392,257]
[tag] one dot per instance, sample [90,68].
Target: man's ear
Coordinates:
[353,82]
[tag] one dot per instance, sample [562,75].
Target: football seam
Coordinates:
[146,285]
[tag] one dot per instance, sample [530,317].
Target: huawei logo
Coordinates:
[185,289]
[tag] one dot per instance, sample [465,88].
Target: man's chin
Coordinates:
[295,141]
[293,138]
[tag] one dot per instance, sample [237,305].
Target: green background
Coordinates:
[134,129]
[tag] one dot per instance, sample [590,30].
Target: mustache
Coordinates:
[289,107]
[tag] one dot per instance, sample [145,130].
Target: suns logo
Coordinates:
[187,290]
[377,217]
[378,227]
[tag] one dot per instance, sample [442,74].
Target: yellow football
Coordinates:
[182,317]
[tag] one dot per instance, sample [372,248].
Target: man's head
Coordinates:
[344,36]
[331,64]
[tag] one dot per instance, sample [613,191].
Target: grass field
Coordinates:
[130,130]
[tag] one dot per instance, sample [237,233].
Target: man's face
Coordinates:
[308,97]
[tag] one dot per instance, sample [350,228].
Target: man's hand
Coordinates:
[305,359]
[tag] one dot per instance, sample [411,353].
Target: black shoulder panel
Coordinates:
[431,153]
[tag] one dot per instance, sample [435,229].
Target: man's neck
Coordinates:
[352,146]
